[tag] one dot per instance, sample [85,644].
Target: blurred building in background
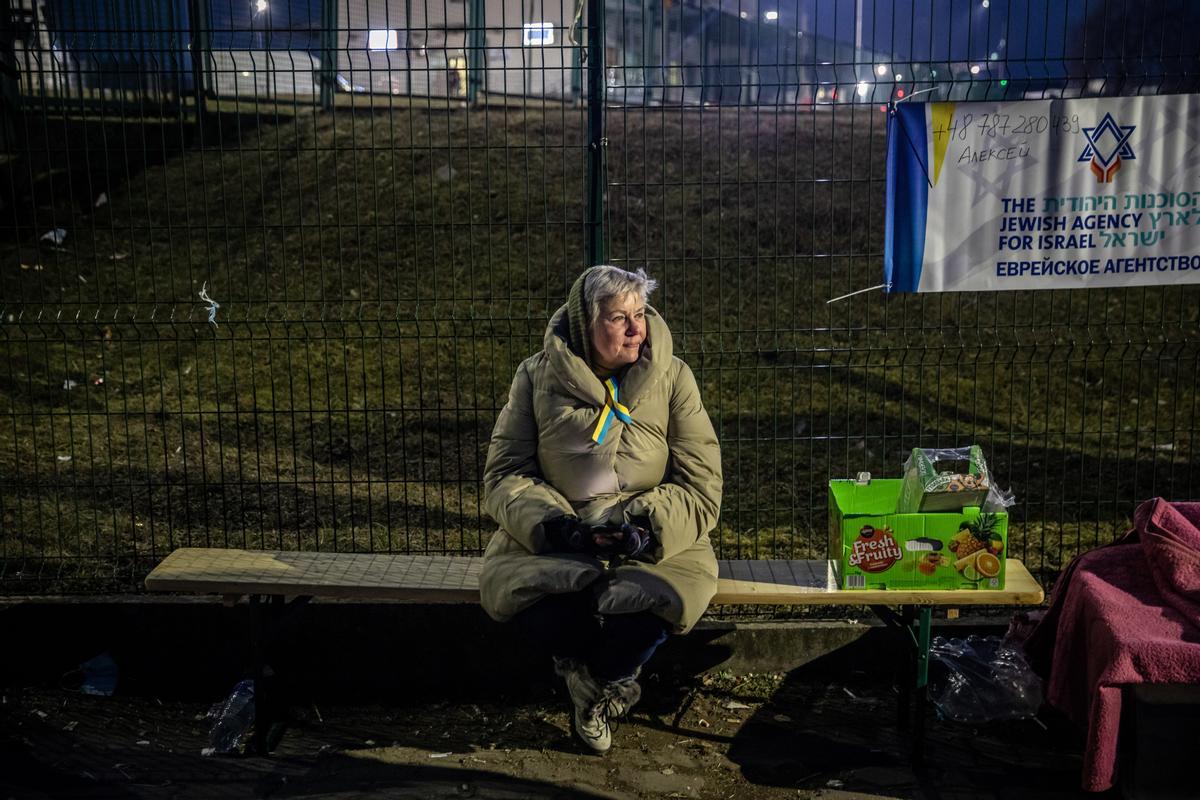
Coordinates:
[686,52]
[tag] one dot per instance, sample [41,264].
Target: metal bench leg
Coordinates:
[914,670]
[907,672]
[258,664]
[268,614]
[921,661]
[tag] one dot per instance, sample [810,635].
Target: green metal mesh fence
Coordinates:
[385,201]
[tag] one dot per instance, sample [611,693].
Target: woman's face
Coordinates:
[618,334]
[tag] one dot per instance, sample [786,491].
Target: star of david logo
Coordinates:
[1107,146]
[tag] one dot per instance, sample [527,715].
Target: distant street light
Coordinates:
[771,16]
[974,69]
[881,69]
[899,77]
[262,7]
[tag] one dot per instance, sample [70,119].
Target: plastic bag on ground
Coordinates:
[233,720]
[99,675]
[96,676]
[980,679]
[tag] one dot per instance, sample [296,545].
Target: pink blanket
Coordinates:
[1122,614]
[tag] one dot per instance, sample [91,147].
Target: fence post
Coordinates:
[596,142]
[198,47]
[476,42]
[328,52]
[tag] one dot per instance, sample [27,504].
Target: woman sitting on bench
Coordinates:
[604,474]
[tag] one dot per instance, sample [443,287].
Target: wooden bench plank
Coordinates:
[435,579]
[455,579]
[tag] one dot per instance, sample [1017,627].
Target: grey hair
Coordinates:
[606,281]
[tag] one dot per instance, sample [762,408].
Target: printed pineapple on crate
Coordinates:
[875,547]
[978,548]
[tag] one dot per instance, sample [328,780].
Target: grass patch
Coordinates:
[381,273]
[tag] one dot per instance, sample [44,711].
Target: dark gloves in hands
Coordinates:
[567,534]
[629,540]
[638,539]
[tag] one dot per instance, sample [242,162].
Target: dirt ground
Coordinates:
[760,737]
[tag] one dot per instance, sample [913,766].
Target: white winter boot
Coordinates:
[591,704]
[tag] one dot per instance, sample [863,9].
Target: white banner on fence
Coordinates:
[1053,194]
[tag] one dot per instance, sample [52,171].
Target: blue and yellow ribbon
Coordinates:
[612,408]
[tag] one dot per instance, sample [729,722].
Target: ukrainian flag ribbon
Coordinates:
[612,408]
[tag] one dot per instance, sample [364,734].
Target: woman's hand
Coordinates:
[628,540]
[567,534]
[607,540]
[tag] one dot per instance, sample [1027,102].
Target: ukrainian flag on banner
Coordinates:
[909,179]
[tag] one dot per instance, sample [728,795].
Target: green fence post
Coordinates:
[328,52]
[596,141]
[476,42]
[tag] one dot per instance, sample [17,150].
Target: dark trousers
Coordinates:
[612,645]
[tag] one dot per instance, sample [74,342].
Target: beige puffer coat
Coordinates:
[543,464]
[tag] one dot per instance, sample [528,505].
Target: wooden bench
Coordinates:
[269,578]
